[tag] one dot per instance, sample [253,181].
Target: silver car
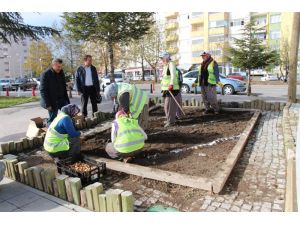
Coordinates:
[231,86]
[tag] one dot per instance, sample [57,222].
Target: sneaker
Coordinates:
[217,112]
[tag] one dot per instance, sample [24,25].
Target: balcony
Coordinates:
[171,26]
[197,20]
[173,37]
[197,47]
[197,33]
[219,16]
[218,30]
[172,50]
[171,14]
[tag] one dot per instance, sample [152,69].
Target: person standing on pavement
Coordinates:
[169,84]
[207,79]
[53,89]
[88,86]
[131,100]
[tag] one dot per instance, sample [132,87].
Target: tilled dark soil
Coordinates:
[169,148]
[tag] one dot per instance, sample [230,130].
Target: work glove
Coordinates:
[220,84]
[170,88]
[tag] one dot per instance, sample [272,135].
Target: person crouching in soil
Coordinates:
[62,139]
[128,138]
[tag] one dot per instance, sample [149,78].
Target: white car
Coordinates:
[106,80]
[38,81]
[269,77]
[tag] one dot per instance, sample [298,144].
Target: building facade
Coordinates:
[215,31]
[12,58]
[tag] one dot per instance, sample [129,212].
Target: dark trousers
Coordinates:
[53,113]
[89,92]
[73,152]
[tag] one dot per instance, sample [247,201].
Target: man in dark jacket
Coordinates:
[53,89]
[88,84]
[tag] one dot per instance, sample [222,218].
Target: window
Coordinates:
[6,63]
[196,54]
[197,41]
[218,23]
[5,49]
[218,38]
[237,22]
[261,36]
[196,14]
[216,52]
[275,34]
[261,21]
[275,19]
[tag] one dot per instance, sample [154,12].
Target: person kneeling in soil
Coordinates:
[131,100]
[62,139]
[128,138]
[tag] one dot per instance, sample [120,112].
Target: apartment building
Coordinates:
[214,31]
[12,58]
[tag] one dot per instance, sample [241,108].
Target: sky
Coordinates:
[41,19]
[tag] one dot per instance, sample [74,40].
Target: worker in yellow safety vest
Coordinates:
[62,139]
[169,84]
[131,100]
[128,138]
[207,79]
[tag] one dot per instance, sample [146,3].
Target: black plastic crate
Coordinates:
[86,178]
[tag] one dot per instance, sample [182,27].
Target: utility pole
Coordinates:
[293,58]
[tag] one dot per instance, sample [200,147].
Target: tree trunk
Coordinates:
[111,60]
[143,69]
[249,83]
[292,82]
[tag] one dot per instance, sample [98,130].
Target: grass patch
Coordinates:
[6,102]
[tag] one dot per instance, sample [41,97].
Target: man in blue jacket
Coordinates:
[87,83]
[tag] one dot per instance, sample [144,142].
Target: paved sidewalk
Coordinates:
[17,197]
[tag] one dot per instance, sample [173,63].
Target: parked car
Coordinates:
[5,83]
[24,84]
[231,86]
[269,77]
[238,76]
[119,77]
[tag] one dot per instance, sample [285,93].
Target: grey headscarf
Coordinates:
[71,110]
[111,91]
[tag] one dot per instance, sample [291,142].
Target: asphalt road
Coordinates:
[15,120]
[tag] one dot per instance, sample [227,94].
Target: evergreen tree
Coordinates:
[109,27]
[250,52]
[13,28]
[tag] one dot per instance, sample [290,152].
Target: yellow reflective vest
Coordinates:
[54,141]
[166,80]
[211,76]
[129,138]
[138,98]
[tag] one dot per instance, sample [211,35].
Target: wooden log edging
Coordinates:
[251,104]
[291,204]
[99,123]
[68,188]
